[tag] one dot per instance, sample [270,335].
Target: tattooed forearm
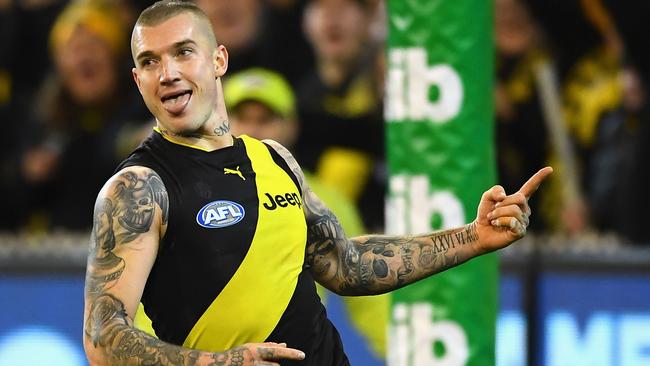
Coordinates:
[377,264]
[109,327]
[373,264]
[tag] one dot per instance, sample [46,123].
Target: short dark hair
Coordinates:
[166,9]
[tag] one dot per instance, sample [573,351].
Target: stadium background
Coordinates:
[574,293]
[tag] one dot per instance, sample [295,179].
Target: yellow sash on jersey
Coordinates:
[251,304]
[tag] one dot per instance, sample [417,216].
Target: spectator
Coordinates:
[10,140]
[530,125]
[237,25]
[523,141]
[29,59]
[260,34]
[604,100]
[262,105]
[521,132]
[81,109]
[339,104]
[23,32]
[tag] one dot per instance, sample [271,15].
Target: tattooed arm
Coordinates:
[375,264]
[129,220]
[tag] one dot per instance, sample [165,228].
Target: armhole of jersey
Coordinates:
[279,160]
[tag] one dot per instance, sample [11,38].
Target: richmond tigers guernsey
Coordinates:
[231,267]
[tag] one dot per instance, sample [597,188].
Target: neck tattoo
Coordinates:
[223,128]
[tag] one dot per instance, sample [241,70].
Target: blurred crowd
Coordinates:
[570,90]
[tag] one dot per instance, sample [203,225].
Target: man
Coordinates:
[209,231]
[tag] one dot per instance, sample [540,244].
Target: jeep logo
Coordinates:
[282,201]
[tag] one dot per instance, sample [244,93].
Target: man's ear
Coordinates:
[134,73]
[220,61]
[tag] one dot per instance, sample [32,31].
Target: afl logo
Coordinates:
[220,214]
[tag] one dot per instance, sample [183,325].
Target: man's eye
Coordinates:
[184,51]
[147,62]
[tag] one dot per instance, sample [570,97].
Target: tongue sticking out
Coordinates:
[177,105]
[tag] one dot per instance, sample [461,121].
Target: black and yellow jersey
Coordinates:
[231,267]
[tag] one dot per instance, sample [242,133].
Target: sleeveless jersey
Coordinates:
[231,267]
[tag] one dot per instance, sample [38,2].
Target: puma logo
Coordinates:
[234,171]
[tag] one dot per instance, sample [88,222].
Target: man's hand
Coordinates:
[502,219]
[258,354]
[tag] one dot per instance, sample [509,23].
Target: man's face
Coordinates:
[176,68]
[337,29]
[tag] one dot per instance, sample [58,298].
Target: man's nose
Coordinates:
[168,72]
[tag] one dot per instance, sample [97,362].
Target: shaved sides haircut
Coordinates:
[166,9]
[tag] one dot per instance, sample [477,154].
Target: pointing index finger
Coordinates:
[533,183]
[279,353]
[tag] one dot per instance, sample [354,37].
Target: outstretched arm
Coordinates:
[129,220]
[374,264]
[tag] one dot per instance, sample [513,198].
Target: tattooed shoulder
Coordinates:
[134,193]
